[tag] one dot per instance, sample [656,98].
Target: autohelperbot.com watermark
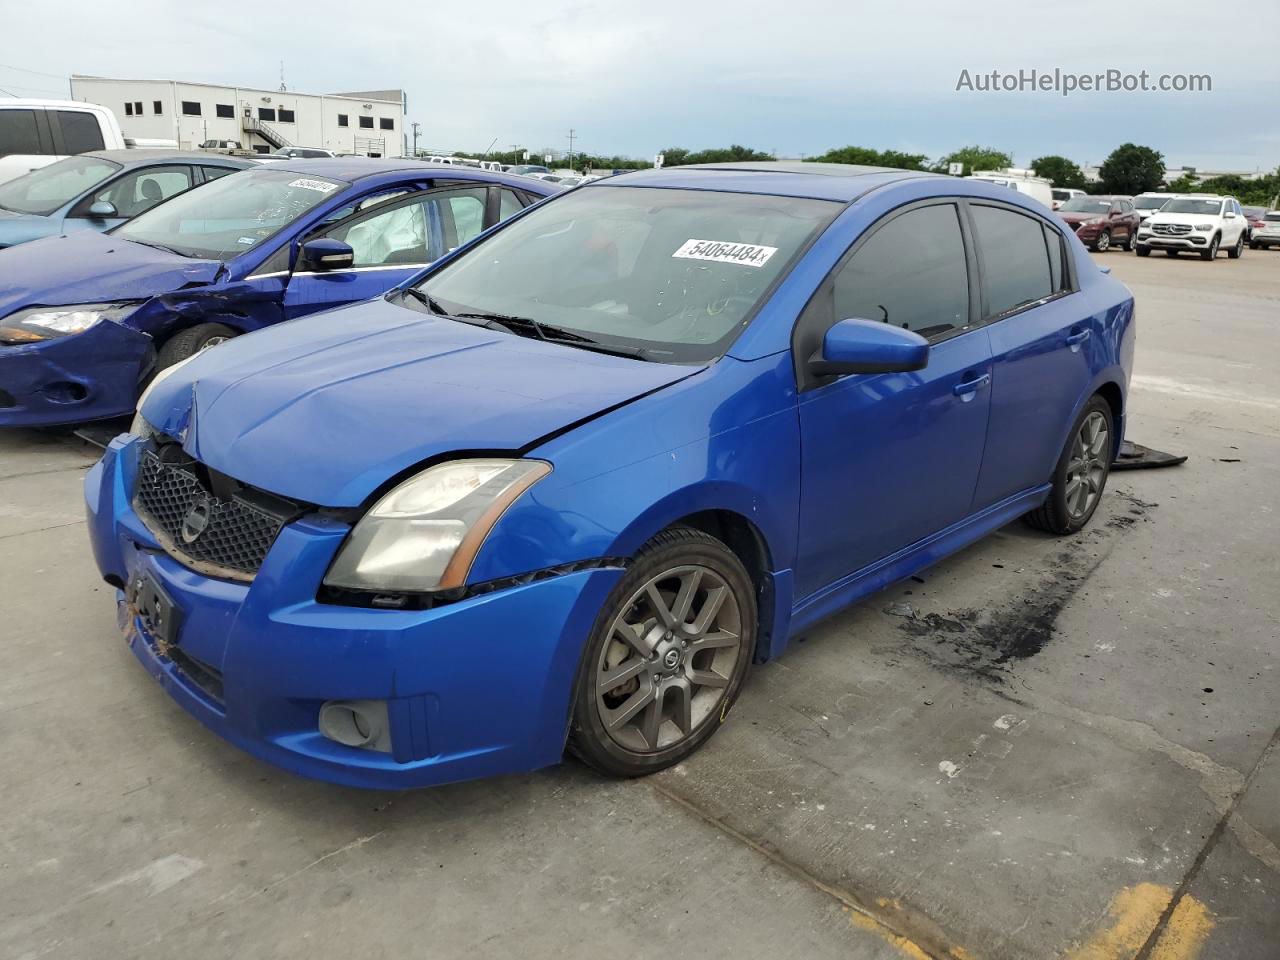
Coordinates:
[1066,83]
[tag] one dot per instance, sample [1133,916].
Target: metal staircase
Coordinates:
[269,134]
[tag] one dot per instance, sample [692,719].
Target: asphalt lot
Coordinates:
[1069,750]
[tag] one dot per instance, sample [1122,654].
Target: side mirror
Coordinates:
[103,210]
[869,346]
[1230,216]
[325,253]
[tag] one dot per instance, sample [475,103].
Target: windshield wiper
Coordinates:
[544,331]
[425,299]
[160,246]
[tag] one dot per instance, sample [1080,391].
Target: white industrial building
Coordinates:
[369,123]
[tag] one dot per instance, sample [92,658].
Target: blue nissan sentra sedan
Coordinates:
[86,319]
[566,486]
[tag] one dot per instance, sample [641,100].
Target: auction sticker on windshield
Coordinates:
[718,251]
[322,185]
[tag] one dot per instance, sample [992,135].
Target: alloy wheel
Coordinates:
[669,658]
[1104,242]
[1087,468]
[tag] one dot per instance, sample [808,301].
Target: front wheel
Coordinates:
[187,343]
[1144,250]
[1103,243]
[1235,252]
[1081,473]
[667,656]
[1212,252]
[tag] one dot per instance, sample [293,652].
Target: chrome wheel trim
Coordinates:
[1088,465]
[1104,242]
[212,342]
[668,659]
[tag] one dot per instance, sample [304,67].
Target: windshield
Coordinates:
[230,216]
[673,274]
[1209,208]
[1150,203]
[1061,194]
[45,190]
[1085,205]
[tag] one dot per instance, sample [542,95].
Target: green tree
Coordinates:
[734,153]
[1132,169]
[865,156]
[975,158]
[1061,171]
[1186,183]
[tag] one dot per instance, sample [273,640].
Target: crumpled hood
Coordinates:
[90,267]
[327,408]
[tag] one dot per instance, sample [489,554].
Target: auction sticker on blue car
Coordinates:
[719,251]
[324,186]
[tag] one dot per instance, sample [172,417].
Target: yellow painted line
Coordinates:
[908,948]
[1186,932]
[1134,913]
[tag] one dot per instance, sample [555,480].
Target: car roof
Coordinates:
[354,169]
[822,181]
[137,157]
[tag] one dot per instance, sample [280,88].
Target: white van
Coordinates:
[1032,186]
[34,133]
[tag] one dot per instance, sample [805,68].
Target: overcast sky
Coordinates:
[795,77]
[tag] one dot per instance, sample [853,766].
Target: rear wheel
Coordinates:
[187,343]
[667,656]
[1081,473]
[1212,252]
[1129,242]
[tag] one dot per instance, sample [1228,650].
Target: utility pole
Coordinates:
[571,139]
[415,138]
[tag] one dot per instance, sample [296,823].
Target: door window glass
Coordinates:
[395,236]
[213,173]
[1014,258]
[508,204]
[80,131]
[143,189]
[18,132]
[911,273]
[461,215]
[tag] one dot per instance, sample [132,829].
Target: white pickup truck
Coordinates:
[34,133]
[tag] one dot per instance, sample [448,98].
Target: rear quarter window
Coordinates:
[80,131]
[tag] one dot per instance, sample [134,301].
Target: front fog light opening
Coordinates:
[357,723]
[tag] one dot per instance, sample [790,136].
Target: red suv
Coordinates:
[1101,222]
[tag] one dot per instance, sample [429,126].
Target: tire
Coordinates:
[188,342]
[1130,242]
[657,713]
[1143,251]
[1171,252]
[1212,252]
[1103,243]
[1254,246]
[1234,253]
[1065,511]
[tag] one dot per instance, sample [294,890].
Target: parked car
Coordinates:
[1062,194]
[1102,222]
[35,133]
[1197,222]
[303,153]
[222,146]
[86,318]
[1268,234]
[524,169]
[1255,217]
[100,190]
[577,476]
[1148,204]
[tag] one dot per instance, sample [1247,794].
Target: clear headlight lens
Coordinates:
[35,324]
[1204,226]
[425,533]
[139,427]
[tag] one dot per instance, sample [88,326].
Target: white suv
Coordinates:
[1198,222]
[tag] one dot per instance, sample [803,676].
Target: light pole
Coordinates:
[571,139]
[415,139]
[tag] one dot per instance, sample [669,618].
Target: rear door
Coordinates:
[392,241]
[889,459]
[1041,345]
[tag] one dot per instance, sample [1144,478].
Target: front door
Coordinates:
[889,459]
[392,241]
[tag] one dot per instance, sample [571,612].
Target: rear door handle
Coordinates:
[968,388]
[1075,339]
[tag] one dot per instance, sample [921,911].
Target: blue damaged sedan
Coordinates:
[564,488]
[86,319]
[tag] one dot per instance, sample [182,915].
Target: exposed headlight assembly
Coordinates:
[139,427]
[424,534]
[35,324]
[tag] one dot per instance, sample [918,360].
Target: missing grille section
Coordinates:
[208,521]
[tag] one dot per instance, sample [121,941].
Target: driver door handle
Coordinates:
[1075,339]
[967,388]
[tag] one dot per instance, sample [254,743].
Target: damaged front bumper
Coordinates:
[470,689]
[84,376]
